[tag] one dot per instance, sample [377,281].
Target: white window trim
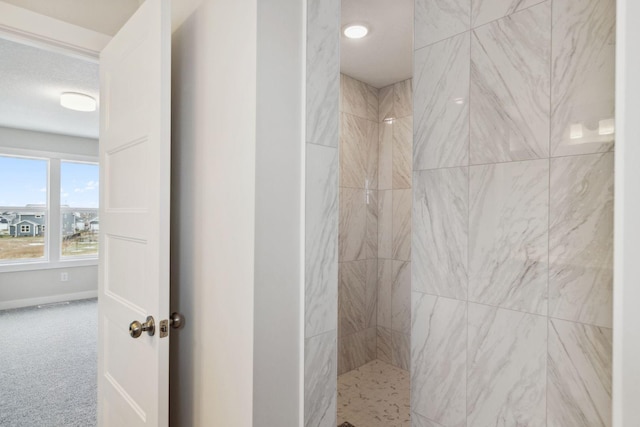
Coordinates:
[52,258]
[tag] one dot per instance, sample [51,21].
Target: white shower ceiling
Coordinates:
[385,55]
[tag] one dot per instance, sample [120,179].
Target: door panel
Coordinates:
[134,219]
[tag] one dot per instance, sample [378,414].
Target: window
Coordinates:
[79,197]
[29,206]
[23,197]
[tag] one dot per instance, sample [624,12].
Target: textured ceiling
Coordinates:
[30,87]
[385,55]
[103,16]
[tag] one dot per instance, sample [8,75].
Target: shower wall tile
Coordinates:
[358,152]
[440,232]
[418,420]
[581,239]
[320,372]
[323,71]
[385,156]
[321,258]
[401,225]
[437,20]
[401,350]
[402,148]
[484,11]
[383,351]
[352,228]
[371,244]
[579,375]
[403,98]
[508,237]
[441,121]
[385,224]
[507,364]
[401,297]
[386,276]
[357,296]
[356,349]
[583,73]
[510,61]
[438,359]
[386,98]
[358,98]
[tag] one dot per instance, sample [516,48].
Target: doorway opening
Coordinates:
[376,138]
[49,226]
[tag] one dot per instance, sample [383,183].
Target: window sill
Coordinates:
[47,265]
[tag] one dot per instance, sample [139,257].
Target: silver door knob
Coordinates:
[177,320]
[136,328]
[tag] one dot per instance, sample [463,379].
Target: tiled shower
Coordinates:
[511,207]
[375,224]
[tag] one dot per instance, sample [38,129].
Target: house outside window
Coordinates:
[27,209]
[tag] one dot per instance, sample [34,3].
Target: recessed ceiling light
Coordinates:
[356,31]
[78,101]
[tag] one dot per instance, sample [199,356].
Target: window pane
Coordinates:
[23,208]
[79,196]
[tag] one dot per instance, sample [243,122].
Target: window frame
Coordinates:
[53,214]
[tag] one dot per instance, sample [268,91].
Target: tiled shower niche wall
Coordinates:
[374,227]
[512,213]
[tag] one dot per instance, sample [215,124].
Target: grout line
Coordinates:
[546,374]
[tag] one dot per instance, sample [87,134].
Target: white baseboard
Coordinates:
[28,302]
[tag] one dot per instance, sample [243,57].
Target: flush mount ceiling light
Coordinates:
[355,31]
[77,101]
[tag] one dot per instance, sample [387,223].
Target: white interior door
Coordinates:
[133,374]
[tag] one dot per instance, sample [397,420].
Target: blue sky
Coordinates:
[24,181]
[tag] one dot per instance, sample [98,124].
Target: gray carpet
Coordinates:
[48,364]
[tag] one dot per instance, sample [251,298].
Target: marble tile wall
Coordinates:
[321,213]
[394,222]
[358,225]
[512,214]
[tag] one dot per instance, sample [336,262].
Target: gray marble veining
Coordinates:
[438,358]
[383,342]
[441,104]
[385,224]
[320,371]
[356,349]
[386,98]
[385,156]
[386,274]
[358,152]
[323,72]
[357,296]
[402,149]
[321,257]
[401,297]
[403,99]
[440,232]
[581,239]
[437,20]
[484,11]
[510,87]
[583,75]
[418,420]
[371,238]
[401,350]
[358,98]
[579,375]
[507,362]
[401,225]
[508,238]
[353,224]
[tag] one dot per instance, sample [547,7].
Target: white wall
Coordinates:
[626,339]
[279,154]
[42,284]
[236,171]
